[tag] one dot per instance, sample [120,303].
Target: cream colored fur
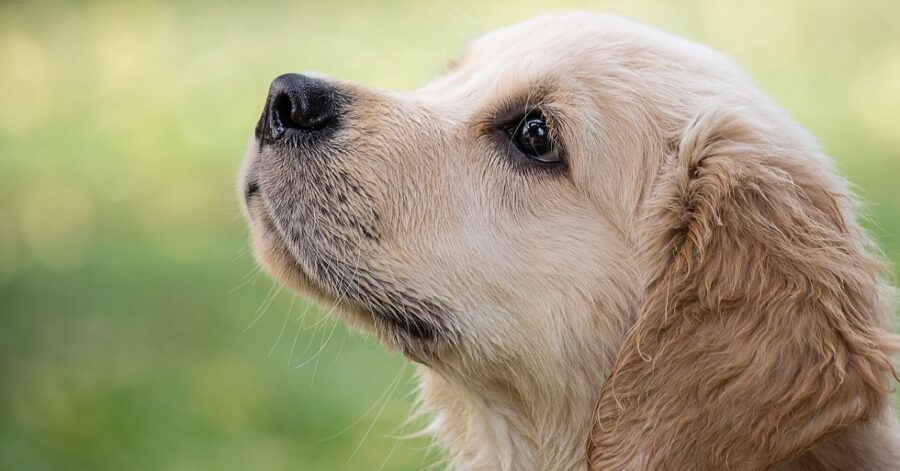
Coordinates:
[682,181]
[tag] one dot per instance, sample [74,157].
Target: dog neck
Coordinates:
[534,421]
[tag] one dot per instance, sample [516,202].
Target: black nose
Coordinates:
[300,103]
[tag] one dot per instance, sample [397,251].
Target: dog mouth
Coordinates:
[413,323]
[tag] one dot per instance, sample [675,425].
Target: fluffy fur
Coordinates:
[691,290]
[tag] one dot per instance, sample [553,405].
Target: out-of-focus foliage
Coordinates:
[135,332]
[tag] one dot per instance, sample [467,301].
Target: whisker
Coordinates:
[322,319]
[310,342]
[402,436]
[322,345]
[371,408]
[301,318]
[273,292]
[340,349]
[252,275]
[242,252]
[358,296]
[287,317]
[377,417]
[328,315]
[319,353]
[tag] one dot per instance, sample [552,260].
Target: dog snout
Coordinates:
[300,104]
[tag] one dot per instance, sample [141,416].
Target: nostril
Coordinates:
[282,114]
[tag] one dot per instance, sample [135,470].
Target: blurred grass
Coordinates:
[126,290]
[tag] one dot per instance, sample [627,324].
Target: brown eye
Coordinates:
[532,137]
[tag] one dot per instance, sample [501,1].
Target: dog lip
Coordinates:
[412,322]
[420,319]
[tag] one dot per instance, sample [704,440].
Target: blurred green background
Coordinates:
[135,332]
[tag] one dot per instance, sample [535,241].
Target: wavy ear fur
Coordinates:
[761,332]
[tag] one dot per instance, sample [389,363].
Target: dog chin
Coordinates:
[280,264]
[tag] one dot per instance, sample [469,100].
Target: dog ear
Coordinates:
[760,329]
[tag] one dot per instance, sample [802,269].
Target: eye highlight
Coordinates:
[532,137]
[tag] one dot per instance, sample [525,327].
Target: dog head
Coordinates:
[493,210]
[580,196]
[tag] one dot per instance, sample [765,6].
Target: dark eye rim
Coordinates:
[508,127]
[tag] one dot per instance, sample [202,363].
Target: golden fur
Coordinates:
[691,291]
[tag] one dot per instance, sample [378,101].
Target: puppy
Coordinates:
[604,247]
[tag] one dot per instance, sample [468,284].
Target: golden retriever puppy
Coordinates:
[604,247]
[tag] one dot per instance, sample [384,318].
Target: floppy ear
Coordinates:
[760,330]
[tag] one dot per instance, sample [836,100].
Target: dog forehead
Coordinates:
[544,50]
[549,30]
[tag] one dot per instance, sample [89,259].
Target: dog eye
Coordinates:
[532,137]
